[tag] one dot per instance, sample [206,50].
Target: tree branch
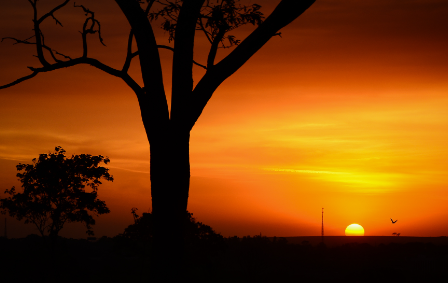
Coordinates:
[153,105]
[88,27]
[171,49]
[77,61]
[51,13]
[37,35]
[50,50]
[204,30]
[182,74]
[20,80]
[285,12]
[86,30]
[129,54]
[148,8]
[214,48]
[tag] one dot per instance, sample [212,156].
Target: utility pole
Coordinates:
[6,235]
[322,224]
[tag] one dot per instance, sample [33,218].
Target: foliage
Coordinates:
[54,191]
[141,229]
[195,231]
[217,17]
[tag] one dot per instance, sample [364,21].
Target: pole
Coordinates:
[322,224]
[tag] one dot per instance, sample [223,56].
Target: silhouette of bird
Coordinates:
[393,222]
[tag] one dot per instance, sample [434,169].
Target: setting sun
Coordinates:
[354,230]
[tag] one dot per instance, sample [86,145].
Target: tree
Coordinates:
[168,129]
[54,191]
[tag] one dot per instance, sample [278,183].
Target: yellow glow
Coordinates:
[354,230]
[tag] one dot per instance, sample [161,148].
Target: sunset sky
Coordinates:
[347,110]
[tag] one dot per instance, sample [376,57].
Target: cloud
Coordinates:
[303,171]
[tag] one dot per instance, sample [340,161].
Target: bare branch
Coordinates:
[134,54]
[200,65]
[20,80]
[77,61]
[201,25]
[57,21]
[214,48]
[148,8]
[84,39]
[37,35]
[86,30]
[99,32]
[24,41]
[51,13]
[87,11]
[65,56]
[165,47]
[129,54]
[50,50]
[132,84]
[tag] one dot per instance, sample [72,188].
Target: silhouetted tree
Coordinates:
[168,129]
[54,191]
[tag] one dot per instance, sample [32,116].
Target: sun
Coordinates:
[354,230]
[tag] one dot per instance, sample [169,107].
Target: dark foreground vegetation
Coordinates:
[247,259]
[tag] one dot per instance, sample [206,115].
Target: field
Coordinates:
[247,259]
[332,241]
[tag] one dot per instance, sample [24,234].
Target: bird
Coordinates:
[393,222]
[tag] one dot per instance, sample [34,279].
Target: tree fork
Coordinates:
[168,133]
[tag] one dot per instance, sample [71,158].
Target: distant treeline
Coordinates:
[247,259]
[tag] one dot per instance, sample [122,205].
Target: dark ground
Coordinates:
[247,259]
[332,241]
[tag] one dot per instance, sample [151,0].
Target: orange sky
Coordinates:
[347,111]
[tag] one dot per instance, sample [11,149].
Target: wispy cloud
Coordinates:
[303,171]
[299,126]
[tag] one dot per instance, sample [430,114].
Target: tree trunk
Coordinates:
[170,182]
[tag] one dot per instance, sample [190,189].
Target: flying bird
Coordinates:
[393,222]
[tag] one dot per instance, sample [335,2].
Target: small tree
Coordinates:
[54,191]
